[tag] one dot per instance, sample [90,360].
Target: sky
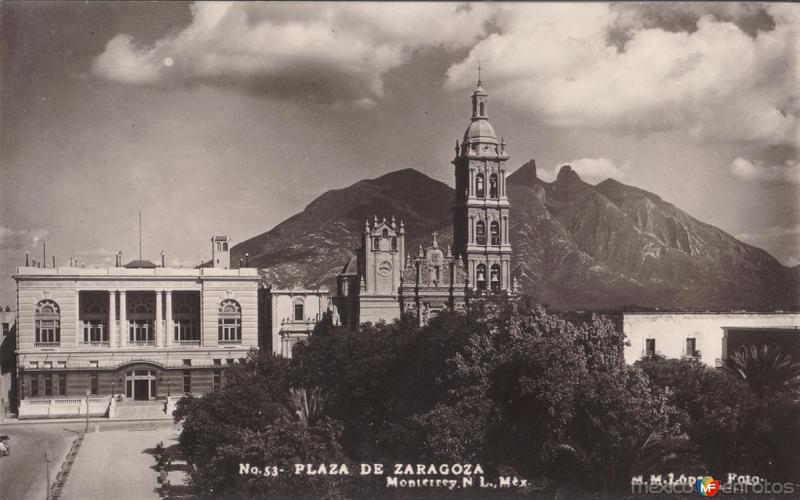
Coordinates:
[218,118]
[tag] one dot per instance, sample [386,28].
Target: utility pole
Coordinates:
[47,458]
[87,410]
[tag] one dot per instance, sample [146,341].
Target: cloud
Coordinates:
[788,173]
[16,239]
[319,51]
[591,170]
[771,233]
[730,76]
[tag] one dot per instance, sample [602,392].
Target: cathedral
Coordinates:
[383,282]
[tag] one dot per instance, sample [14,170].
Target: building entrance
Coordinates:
[140,385]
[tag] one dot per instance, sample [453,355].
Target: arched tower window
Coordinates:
[225,247]
[48,324]
[480,277]
[494,232]
[480,190]
[493,186]
[483,108]
[230,322]
[299,309]
[385,233]
[494,278]
[480,232]
[394,243]
[219,246]
[376,243]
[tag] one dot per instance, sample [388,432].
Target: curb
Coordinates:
[79,421]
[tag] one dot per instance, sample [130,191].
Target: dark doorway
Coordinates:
[140,390]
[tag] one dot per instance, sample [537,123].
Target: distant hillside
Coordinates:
[576,246]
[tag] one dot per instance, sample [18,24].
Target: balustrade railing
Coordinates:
[95,343]
[230,342]
[46,345]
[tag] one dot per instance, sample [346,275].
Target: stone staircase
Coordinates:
[141,410]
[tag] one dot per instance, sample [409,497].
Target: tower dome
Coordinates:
[480,130]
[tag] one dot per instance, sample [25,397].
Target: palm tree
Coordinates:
[766,369]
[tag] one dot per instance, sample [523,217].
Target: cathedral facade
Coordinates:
[383,282]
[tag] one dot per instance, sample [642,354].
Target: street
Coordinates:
[23,474]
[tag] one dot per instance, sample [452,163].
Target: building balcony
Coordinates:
[229,342]
[95,343]
[142,343]
[188,343]
[47,345]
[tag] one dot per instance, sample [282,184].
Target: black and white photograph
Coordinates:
[403,250]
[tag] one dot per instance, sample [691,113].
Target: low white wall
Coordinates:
[62,408]
[670,331]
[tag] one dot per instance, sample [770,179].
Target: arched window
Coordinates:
[376,243]
[480,277]
[494,233]
[225,247]
[299,309]
[480,232]
[493,186]
[385,233]
[230,322]
[480,190]
[483,108]
[394,243]
[48,324]
[219,246]
[494,278]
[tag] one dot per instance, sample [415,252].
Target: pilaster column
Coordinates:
[471,229]
[169,333]
[78,329]
[123,319]
[471,182]
[159,319]
[112,318]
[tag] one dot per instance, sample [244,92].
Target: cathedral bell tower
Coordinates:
[481,211]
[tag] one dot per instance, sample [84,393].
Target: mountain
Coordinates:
[576,245]
[309,248]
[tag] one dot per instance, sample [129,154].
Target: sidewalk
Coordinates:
[100,420]
[117,464]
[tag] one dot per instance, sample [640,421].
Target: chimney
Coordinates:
[246,259]
[163,259]
[27,259]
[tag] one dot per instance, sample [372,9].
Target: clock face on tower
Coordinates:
[385,268]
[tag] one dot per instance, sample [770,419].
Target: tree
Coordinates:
[766,369]
[254,419]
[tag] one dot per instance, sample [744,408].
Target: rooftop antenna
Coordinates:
[140,235]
